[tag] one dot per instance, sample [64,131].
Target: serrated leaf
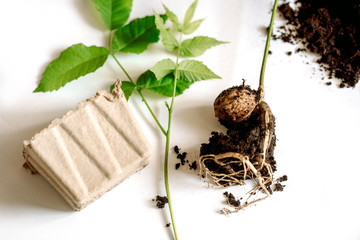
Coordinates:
[190,12]
[74,62]
[163,68]
[173,18]
[192,70]
[128,88]
[167,36]
[164,86]
[189,28]
[115,13]
[137,35]
[196,46]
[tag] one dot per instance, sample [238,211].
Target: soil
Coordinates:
[193,165]
[330,29]
[231,199]
[177,165]
[278,187]
[160,201]
[176,149]
[283,178]
[182,157]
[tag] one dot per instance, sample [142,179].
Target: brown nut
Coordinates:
[235,104]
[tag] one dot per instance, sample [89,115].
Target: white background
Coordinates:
[318,130]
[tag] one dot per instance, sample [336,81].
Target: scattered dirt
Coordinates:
[182,157]
[329,29]
[279,187]
[231,200]
[283,178]
[177,165]
[176,149]
[193,165]
[160,201]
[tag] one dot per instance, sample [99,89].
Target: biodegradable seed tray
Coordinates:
[90,150]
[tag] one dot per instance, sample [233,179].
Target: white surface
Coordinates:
[318,130]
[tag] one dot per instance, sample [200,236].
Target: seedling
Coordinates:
[246,152]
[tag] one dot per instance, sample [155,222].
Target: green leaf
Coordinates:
[164,86]
[173,18]
[115,13]
[74,62]
[189,28]
[137,35]
[192,70]
[168,39]
[163,68]
[196,46]
[128,88]
[190,12]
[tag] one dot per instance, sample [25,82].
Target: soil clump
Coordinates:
[160,201]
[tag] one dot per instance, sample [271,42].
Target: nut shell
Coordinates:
[235,104]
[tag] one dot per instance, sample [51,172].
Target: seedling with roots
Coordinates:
[246,152]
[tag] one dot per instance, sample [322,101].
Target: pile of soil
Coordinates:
[330,29]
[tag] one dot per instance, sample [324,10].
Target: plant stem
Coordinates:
[141,95]
[166,178]
[267,45]
[166,133]
[167,146]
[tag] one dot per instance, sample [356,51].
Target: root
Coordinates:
[229,162]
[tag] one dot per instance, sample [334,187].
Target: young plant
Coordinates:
[170,78]
[246,152]
[167,78]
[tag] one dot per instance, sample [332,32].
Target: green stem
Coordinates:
[141,95]
[122,68]
[166,179]
[166,133]
[167,146]
[267,45]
